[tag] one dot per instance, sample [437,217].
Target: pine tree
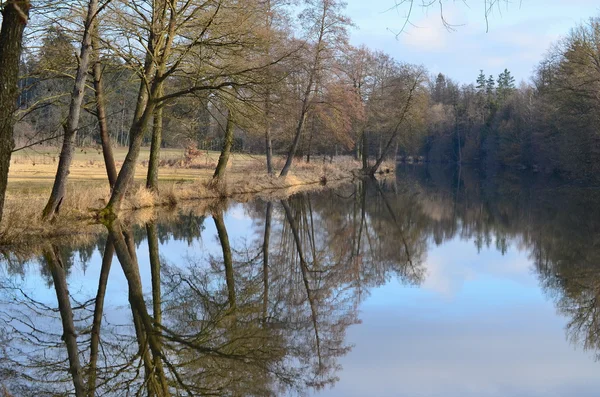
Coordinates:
[490,85]
[481,81]
[440,88]
[506,84]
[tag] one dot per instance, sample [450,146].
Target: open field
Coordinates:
[33,170]
[182,182]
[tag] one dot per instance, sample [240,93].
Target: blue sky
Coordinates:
[520,32]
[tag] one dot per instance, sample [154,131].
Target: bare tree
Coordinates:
[326,27]
[72,124]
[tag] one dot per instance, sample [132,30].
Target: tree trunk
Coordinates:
[145,106]
[310,137]
[305,272]
[396,130]
[127,171]
[68,148]
[14,19]
[107,258]
[299,128]
[265,249]
[107,152]
[156,287]
[227,258]
[226,149]
[152,178]
[365,151]
[268,141]
[52,257]
[154,271]
[130,267]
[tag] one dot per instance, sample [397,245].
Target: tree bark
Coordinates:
[226,149]
[107,152]
[145,106]
[268,141]
[153,162]
[52,257]
[310,137]
[68,148]
[146,324]
[14,19]
[265,249]
[156,287]
[227,258]
[299,127]
[107,258]
[305,272]
[365,151]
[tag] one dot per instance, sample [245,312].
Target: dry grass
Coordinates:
[179,186]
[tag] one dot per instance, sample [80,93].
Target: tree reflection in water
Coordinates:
[269,315]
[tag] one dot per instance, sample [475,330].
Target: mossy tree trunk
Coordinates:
[153,163]
[14,19]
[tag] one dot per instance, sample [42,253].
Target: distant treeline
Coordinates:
[551,125]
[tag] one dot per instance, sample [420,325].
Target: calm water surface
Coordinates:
[436,283]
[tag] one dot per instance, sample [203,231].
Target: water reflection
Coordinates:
[264,309]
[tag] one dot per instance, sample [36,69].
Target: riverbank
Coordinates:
[181,184]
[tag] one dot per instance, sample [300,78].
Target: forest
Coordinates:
[273,78]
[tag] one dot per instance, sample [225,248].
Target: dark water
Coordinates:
[436,283]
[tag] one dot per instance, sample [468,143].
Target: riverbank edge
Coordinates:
[22,225]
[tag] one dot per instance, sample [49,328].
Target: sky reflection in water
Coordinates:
[458,295]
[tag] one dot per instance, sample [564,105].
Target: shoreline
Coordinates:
[22,223]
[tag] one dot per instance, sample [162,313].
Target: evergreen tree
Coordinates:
[481,81]
[506,84]
[439,89]
[490,85]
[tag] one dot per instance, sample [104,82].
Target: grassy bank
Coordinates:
[183,181]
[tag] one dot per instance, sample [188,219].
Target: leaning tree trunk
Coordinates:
[146,104]
[396,130]
[227,258]
[147,327]
[153,162]
[299,128]
[226,149]
[52,257]
[109,159]
[68,148]
[14,19]
[92,373]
